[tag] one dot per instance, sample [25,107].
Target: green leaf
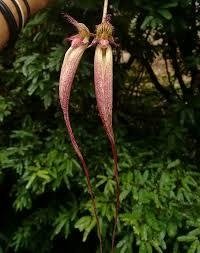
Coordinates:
[169,5]
[173,164]
[187,238]
[172,229]
[60,226]
[147,22]
[85,224]
[88,230]
[30,182]
[193,247]
[43,174]
[165,13]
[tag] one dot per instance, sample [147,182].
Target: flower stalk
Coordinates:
[105,10]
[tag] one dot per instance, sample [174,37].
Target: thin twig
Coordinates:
[163,90]
[167,70]
[116,175]
[169,78]
[176,65]
[105,10]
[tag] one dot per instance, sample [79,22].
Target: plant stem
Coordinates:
[105,9]
[86,172]
[116,175]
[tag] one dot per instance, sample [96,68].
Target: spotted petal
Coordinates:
[69,67]
[79,44]
[103,77]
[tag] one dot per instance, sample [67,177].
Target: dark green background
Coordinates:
[44,203]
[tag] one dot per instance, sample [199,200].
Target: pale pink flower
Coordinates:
[103,80]
[79,44]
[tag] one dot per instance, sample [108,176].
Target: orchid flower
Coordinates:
[79,44]
[103,80]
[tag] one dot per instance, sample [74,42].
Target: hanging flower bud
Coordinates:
[79,44]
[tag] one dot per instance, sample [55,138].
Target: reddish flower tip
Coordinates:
[82,29]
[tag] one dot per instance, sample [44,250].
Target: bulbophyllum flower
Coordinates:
[103,80]
[79,44]
[103,74]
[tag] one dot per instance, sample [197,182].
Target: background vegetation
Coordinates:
[45,206]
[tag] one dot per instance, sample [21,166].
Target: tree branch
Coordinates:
[169,78]
[164,92]
[176,67]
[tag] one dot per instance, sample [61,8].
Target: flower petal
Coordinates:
[103,76]
[69,67]
[79,26]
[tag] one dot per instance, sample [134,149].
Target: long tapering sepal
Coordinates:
[103,78]
[79,44]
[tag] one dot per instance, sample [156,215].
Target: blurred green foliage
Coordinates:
[45,206]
